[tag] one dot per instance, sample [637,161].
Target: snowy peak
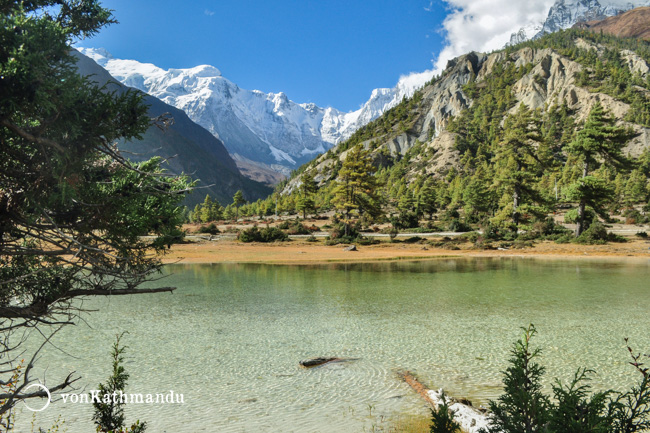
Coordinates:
[566,13]
[267,129]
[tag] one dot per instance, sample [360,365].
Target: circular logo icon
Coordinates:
[47,391]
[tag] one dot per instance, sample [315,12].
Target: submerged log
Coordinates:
[315,362]
[471,420]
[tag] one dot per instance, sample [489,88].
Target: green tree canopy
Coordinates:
[356,191]
[600,141]
[73,210]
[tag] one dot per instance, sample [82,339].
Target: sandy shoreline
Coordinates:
[301,252]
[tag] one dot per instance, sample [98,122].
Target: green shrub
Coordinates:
[564,239]
[457,226]
[109,410]
[267,234]
[297,228]
[633,216]
[595,234]
[575,408]
[571,217]
[442,420]
[405,220]
[211,229]
[642,235]
[341,230]
[470,237]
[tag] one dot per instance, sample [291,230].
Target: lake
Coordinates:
[232,335]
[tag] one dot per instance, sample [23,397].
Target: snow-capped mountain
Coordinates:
[565,13]
[264,128]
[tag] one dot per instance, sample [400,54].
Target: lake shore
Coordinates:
[299,251]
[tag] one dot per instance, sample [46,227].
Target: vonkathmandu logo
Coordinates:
[117,397]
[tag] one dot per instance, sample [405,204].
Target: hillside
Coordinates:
[448,140]
[191,148]
[631,24]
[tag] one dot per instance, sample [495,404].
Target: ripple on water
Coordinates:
[233,344]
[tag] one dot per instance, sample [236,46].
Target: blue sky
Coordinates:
[332,53]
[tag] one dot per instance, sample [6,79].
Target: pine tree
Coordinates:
[356,190]
[427,198]
[523,408]
[306,191]
[599,140]
[518,160]
[237,201]
[206,209]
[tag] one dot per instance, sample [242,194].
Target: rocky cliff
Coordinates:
[547,78]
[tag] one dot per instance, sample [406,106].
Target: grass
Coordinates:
[402,424]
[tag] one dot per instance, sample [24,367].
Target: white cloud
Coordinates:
[479,25]
[486,25]
[208,12]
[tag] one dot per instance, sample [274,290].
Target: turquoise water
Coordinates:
[230,338]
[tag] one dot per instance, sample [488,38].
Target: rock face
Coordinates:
[551,80]
[440,100]
[257,128]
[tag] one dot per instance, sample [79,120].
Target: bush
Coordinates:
[457,226]
[642,235]
[595,234]
[633,216]
[211,229]
[267,234]
[341,230]
[571,217]
[405,220]
[575,408]
[442,420]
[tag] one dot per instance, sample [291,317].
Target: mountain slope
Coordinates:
[566,13]
[191,149]
[257,128]
[455,122]
[631,24]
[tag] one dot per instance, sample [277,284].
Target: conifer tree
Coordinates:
[427,198]
[523,408]
[518,160]
[307,189]
[237,201]
[599,141]
[356,190]
[206,209]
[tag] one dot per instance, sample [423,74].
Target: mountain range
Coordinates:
[267,134]
[264,132]
[187,147]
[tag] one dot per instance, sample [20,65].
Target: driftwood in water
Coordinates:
[315,362]
[417,387]
[471,420]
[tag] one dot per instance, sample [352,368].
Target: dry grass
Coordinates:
[301,252]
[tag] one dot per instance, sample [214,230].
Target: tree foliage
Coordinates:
[73,210]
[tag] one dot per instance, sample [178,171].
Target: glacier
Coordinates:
[267,128]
